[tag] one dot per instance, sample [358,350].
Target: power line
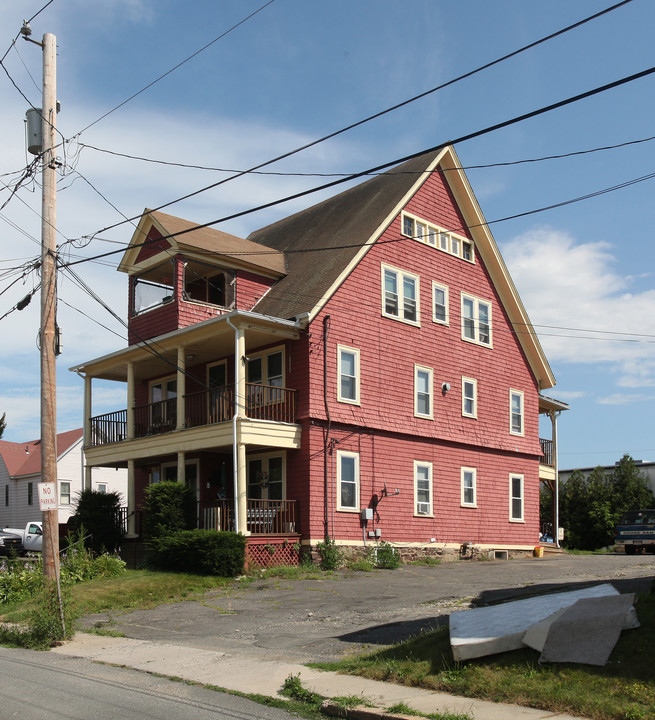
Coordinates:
[506,163]
[168,72]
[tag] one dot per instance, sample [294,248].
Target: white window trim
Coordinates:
[430,513]
[265,353]
[474,472]
[436,231]
[430,372]
[474,382]
[401,274]
[440,286]
[355,455]
[476,320]
[520,394]
[265,458]
[61,494]
[513,476]
[351,401]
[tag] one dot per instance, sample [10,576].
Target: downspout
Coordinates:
[326,437]
[235,452]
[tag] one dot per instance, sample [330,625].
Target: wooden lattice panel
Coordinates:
[272,552]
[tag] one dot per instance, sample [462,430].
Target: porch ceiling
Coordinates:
[204,342]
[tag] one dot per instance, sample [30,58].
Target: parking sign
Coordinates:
[47,496]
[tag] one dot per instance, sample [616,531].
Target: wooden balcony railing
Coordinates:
[263,517]
[208,407]
[546,452]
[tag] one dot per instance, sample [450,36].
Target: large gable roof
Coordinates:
[321,241]
[25,458]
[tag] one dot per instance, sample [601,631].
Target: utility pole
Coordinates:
[49,304]
[45,145]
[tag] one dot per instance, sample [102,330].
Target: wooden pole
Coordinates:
[49,306]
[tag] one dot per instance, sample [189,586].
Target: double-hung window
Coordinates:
[348,375]
[64,493]
[516,498]
[348,480]
[423,487]
[422,391]
[516,412]
[439,303]
[476,320]
[469,494]
[400,295]
[30,493]
[469,397]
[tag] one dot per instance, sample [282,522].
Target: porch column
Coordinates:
[181,467]
[240,414]
[181,391]
[87,430]
[130,401]
[131,501]
[553,420]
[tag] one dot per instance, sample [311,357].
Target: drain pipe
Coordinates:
[326,441]
[235,451]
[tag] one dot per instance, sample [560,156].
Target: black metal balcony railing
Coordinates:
[546,452]
[263,517]
[216,405]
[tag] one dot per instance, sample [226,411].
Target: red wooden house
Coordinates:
[363,369]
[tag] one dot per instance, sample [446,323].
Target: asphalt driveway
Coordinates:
[338,613]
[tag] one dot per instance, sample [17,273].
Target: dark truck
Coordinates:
[636,531]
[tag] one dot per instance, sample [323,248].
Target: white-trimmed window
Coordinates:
[400,295]
[266,477]
[516,412]
[266,368]
[348,375]
[425,232]
[476,320]
[469,397]
[102,488]
[348,480]
[516,498]
[469,489]
[423,391]
[440,303]
[423,488]
[64,493]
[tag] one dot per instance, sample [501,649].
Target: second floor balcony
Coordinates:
[208,407]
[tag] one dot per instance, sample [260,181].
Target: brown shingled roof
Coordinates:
[323,239]
[25,458]
[214,242]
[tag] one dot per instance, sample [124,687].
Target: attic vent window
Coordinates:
[436,237]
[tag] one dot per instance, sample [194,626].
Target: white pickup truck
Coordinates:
[31,536]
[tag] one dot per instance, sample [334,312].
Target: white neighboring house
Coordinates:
[20,472]
[645,467]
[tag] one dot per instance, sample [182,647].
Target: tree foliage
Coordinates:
[99,514]
[3,423]
[591,507]
[169,507]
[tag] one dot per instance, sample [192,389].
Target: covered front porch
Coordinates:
[216,388]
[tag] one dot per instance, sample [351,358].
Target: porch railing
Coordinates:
[546,452]
[263,517]
[208,407]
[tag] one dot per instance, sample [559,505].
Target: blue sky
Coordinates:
[299,70]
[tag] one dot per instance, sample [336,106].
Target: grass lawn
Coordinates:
[622,690]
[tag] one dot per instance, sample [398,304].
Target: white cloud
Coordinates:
[582,309]
[624,399]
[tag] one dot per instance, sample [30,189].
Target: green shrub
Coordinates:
[99,514]
[20,580]
[205,552]
[331,555]
[387,556]
[169,507]
[78,564]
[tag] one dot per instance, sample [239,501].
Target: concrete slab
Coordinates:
[499,628]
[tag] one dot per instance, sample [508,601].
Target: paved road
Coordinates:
[42,686]
[325,618]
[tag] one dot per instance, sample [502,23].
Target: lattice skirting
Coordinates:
[267,552]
